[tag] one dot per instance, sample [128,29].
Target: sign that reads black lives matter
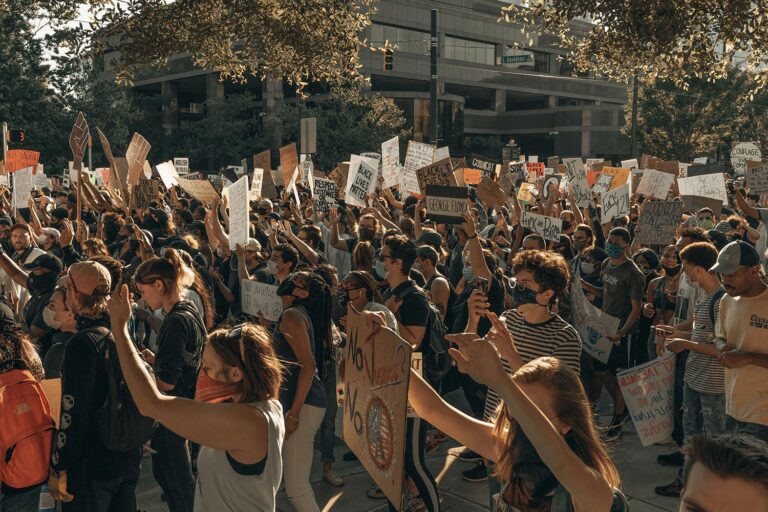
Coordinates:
[446,205]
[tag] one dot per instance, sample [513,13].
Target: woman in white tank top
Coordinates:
[240,428]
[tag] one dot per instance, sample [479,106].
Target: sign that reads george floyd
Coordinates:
[446,205]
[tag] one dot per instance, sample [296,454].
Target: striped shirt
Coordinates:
[553,338]
[704,373]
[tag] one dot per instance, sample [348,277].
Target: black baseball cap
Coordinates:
[46,261]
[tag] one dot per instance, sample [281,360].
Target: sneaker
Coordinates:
[672,490]
[413,504]
[619,420]
[468,455]
[477,474]
[349,457]
[376,493]
[611,434]
[332,478]
[675,458]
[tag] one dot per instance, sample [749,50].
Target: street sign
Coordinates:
[516,59]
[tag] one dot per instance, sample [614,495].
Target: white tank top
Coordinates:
[220,489]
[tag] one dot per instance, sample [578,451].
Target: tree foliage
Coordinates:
[704,120]
[680,40]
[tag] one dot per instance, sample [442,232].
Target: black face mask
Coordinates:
[344,300]
[286,289]
[672,271]
[522,295]
[367,234]
[41,283]
[566,225]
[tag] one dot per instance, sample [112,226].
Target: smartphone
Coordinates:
[480,283]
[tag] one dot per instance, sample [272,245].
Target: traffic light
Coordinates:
[389,59]
[16,136]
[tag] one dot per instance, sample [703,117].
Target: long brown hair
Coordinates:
[571,407]
[254,354]
[171,269]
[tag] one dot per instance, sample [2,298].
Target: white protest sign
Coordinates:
[442,153]
[361,178]
[326,194]
[23,183]
[532,159]
[238,213]
[41,180]
[700,160]
[409,182]
[418,155]
[648,392]
[630,164]
[256,182]
[615,203]
[181,165]
[577,182]
[741,153]
[593,325]
[292,185]
[168,174]
[705,185]
[658,222]
[259,299]
[548,227]
[655,184]
[757,177]
[390,162]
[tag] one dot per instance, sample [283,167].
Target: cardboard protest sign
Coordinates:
[629,164]
[490,193]
[21,158]
[620,175]
[668,166]
[603,184]
[506,179]
[254,193]
[437,173]
[145,192]
[524,195]
[537,168]
[23,183]
[168,174]
[230,173]
[577,182]
[202,190]
[263,160]
[78,140]
[289,160]
[362,178]
[458,163]
[390,162]
[376,377]
[487,166]
[418,155]
[595,164]
[707,168]
[648,391]
[757,177]
[121,175]
[553,179]
[260,300]
[446,205]
[708,185]
[655,184]
[238,213]
[136,154]
[442,153]
[326,194]
[548,227]
[181,165]
[741,153]
[695,203]
[471,176]
[658,222]
[553,161]
[615,203]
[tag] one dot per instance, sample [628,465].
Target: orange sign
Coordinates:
[472,176]
[620,175]
[537,167]
[21,158]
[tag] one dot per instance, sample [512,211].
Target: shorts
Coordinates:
[617,360]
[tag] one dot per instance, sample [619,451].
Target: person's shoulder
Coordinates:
[566,329]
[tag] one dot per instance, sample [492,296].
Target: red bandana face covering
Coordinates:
[212,391]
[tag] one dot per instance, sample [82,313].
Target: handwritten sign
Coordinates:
[658,222]
[708,185]
[620,175]
[741,153]
[418,155]
[757,177]
[437,173]
[254,193]
[21,158]
[23,183]
[490,193]
[553,161]
[548,227]
[472,176]
[524,195]
[629,164]
[326,194]
[260,300]
[655,184]
[376,372]
[390,162]
[602,184]
[145,192]
[181,165]
[536,168]
[289,160]
[486,166]
[442,153]
[648,392]
[577,182]
[362,178]
[202,190]
[615,203]
[553,179]
[238,213]
[446,205]
[136,155]
[168,174]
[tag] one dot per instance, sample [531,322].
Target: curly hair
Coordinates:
[549,269]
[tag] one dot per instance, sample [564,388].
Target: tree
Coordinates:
[301,41]
[679,40]
[704,120]
[347,123]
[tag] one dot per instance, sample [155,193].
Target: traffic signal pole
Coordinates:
[433,110]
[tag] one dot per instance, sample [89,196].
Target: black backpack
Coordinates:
[119,424]
[715,304]
[437,361]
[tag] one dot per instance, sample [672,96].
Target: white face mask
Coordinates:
[50,320]
[272,267]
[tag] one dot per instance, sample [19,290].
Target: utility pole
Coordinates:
[5,143]
[634,114]
[433,110]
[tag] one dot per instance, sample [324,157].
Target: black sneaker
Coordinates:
[468,455]
[611,434]
[671,459]
[619,420]
[672,490]
[349,457]
[479,473]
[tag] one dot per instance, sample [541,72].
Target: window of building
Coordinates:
[466,50]
[573,102]
[403,39]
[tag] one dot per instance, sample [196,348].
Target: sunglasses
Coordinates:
[236,334]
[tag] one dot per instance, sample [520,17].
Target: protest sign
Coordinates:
[577,182]
[437,173]
[263,160]
[506,179]
[202,190]
[238,213]
[655,184]
[701,169]
[362,178]
[741,153]
[757,177]
[486,166]
[490,193]
[695,203]
[524,195]
[21,158]
[553,161]
[145,192]
[136,155]
[442,153]
[446,205]
[658,222]
[620,175]
[78,140]
[602,184]
[181,165]
[548,227]
[648,392]
[254,192]
[548,182]
[390,161]
[471,176]
[376,376]
[536,167]
[326,194]
[168,174]
[292,186]
[121,176]
[629,164]
[700,160]
[23,183]
[260,300]
[708,185]
[615,203]
[584,314]
[418,155]
[593,162]
[230,174]
[289,160]
[668,166]
[458,163]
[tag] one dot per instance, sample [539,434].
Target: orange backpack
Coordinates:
[26,429]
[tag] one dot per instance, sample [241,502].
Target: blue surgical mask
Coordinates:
[466,273]
[380,270]
[613,250]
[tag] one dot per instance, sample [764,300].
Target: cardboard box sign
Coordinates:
[446,205]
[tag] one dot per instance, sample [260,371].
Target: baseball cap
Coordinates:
[5,221]
[253,245]
[735,255]
[87,276]
[55,233]
[46,261]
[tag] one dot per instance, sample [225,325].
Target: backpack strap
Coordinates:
[715,300]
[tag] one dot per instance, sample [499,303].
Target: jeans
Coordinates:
[172,468]
[297,459]
[415,468]
[328,427]
[703,413]
[743,427]
[26,501]
[678,434]
[116,495]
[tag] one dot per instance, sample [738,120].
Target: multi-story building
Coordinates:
[489,92]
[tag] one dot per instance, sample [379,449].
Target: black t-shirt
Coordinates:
[179,344]
[460,309]
[413,309]
[351,242]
